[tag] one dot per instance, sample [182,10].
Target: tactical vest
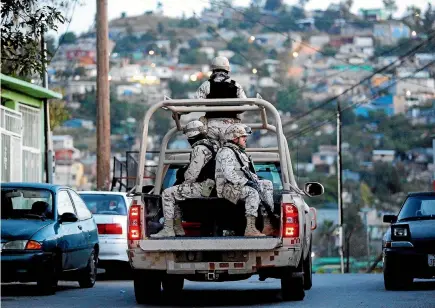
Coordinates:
[239,159]
[208,170]
[222,89]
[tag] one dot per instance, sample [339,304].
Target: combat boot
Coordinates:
[251,230]
[178,228]
[167,231]
[268,229]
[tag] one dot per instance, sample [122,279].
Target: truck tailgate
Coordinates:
[211,243]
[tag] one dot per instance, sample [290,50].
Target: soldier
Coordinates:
[198,178]
[232,183]
[220,85]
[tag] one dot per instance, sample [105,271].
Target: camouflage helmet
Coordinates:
[194,128]
[220,63]
[236,131]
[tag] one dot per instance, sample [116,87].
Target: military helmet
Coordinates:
[220,63]
[194,128]
[236,131]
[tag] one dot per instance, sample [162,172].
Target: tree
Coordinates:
[68,38]
[50,40]
[390,6]
[160,28]
[329,51]
[429,19]
[23,23]
[58,113]
[303,3]
[289,99]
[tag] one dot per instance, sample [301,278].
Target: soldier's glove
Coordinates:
[250,184]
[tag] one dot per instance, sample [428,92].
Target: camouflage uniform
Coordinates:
[200,156]
[231,181]
[217,125]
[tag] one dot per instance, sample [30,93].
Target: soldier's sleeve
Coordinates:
[203,90]
[228,165]
[200,156]
[240,92]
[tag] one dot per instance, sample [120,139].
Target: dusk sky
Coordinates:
[84,14]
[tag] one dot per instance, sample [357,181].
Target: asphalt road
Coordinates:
[329,291]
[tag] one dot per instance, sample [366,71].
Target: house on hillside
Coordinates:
[383,155]
[22,127]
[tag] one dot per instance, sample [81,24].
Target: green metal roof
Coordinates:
[27,88]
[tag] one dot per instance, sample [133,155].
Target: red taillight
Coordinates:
[109,228]
[290,221]
[134,232]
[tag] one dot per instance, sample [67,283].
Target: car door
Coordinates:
[70,235]
[86,222]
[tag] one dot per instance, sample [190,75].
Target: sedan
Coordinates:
[409,244]
[47,234]
[110,212]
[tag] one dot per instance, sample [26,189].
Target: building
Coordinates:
[390,32]
[383,155]
[23,132]
[373,14]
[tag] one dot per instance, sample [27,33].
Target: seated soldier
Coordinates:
[198,179]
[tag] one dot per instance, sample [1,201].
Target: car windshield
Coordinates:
[418,207]
[26,203]
[267,171]
[105,204]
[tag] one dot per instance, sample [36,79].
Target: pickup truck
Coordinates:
[214,248]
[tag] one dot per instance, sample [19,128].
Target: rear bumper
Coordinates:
[407,261]
[25,267]
[254,261]
[113,249]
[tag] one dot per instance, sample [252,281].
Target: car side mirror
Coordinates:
[390,218]
[68,217]
[313,189]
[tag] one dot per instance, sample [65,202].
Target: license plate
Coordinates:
[431,260]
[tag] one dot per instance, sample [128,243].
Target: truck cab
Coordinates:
[214,248]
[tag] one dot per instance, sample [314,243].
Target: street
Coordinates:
[329,291]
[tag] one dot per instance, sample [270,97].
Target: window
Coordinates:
[105,204]
[28,203]
[64,204]
[418,206]
[82,211]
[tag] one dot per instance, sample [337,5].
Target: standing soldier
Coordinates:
[198,178]
[220,85]
[232,183]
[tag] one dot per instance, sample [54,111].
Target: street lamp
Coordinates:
[151,52]
[414,33]
[295,54]
[254,71]
[251,39]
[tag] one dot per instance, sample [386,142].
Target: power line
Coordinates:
[66,31]
[356,104]
[384,68]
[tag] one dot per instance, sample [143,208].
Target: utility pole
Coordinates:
[48,159]
[340,187]
[103,103]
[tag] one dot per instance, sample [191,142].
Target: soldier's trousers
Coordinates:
[252,198]
[216,127]
[178,193]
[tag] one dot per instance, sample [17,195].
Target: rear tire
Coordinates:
[173,284]
[394,282]
[147,286]
[308,272]
[88,277]
[292,288]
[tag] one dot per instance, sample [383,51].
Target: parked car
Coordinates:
[110,212]
[409,245]
[47,234]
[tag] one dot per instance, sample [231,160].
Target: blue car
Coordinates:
[47,234]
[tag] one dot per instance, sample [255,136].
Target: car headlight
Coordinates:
[22,245]
[400,232]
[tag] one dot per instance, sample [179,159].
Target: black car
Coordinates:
[47,234]
[409,245]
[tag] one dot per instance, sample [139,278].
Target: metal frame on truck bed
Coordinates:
[167,261]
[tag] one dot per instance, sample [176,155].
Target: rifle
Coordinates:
[274,219]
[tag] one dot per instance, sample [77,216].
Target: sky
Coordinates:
[84,12]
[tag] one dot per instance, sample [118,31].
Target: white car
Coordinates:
[110,211]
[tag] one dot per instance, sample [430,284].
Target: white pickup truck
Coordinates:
[214,248]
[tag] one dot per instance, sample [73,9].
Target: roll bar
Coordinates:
[178,106]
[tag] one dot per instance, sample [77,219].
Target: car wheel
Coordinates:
[173,284]
[147,286]
[88,277]
[308,272]
[292,287]
[393,282]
